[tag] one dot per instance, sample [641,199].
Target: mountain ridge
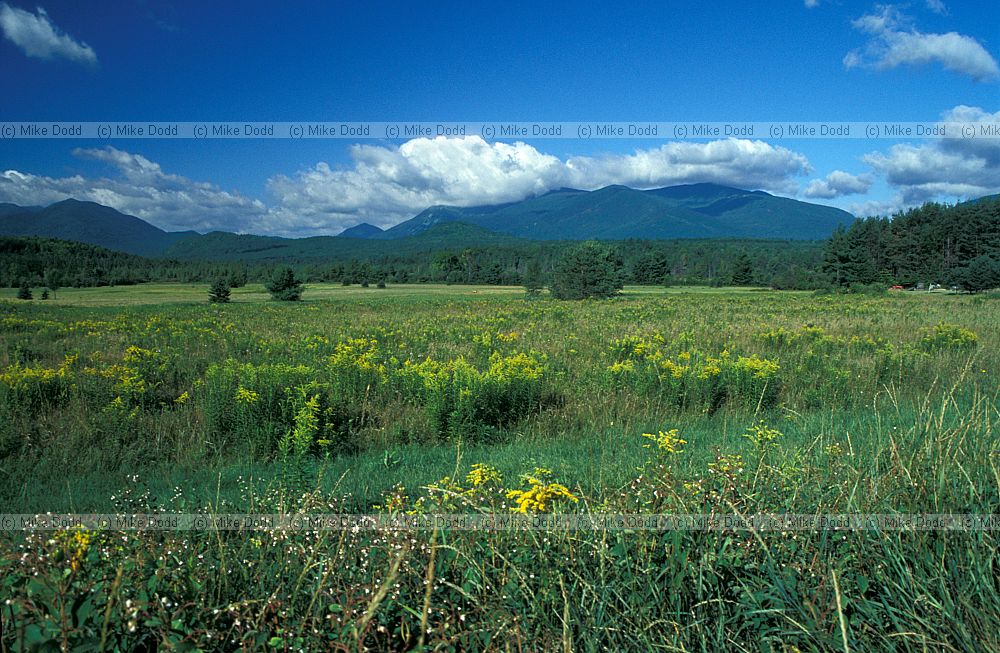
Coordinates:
[89,222]
[616,212]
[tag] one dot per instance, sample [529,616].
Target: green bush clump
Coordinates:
[33,389]
[459,397]
[948,336]
[258,404]
[691,378]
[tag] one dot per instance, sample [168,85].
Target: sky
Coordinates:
[799,60]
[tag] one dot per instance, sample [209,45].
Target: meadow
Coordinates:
[427,399]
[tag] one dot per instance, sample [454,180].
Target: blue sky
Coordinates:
[796,61]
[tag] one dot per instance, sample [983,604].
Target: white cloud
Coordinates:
[937,7]
[895,43]
[811,3]
[38,37]
[870,208]
[944,169]
[837,184]
[386,185]
[171,202]
[732,162]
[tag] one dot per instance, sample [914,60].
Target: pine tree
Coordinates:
[220,291]
[533,281]
[587,270]
[24,292]
[982,273]
[284,286]
[651,269]
[743,271]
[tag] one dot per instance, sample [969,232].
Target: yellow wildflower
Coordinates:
[669,442]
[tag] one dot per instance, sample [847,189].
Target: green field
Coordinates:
[424,399]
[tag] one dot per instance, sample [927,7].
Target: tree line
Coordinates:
[934,244]
[33,261]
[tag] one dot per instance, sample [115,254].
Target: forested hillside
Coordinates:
[931,244]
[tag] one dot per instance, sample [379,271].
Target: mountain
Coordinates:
[363,230]
[223,246]
[695,211]
[88,222]
[12,209]
[618,212]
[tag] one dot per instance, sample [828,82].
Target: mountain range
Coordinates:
[612,213]
[619,213]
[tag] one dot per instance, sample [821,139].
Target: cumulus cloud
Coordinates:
[870,208]
[951,169]
[894,42]
[837,184]
[386,185]
[142,189]
[38,37]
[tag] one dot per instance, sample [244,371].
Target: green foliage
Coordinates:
[743,271]
[948,336]
[24,292]
[587,270]
[284,286]
[981,273]
[930,244]
[787,264]
[259,403]
[534,282]
[459,398]
[652,268]
[219,292]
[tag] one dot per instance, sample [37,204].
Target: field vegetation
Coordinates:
[448,399]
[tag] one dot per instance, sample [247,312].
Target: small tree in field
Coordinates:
[219,292]
[284,286]
[533,281]
[24,292]
[587,270]
[53,281]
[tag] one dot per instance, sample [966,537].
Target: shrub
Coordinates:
[32,389]
[458,397]
[692,378]
[948,336]
[259,404]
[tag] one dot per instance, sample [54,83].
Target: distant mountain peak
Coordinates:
[363,230]
[89,222]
